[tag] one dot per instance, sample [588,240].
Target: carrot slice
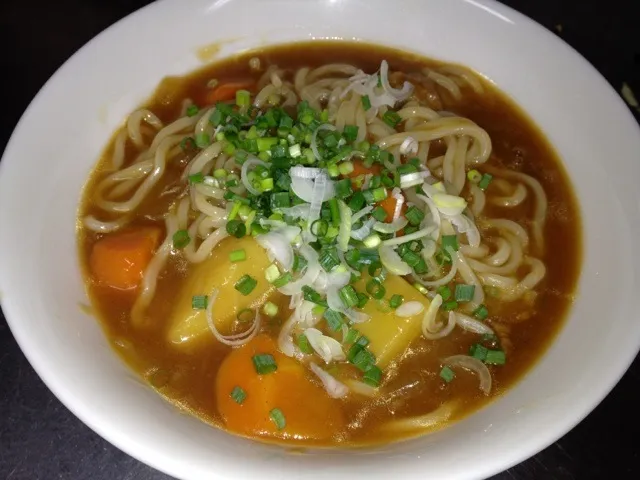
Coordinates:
[360,169]
[389,205]
[119,260]
[308,411]
[227,91]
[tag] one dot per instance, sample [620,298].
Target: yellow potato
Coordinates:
[188,326]
[390,335]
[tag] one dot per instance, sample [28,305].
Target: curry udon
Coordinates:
[329,243]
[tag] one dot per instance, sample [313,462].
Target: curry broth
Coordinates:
[187,378]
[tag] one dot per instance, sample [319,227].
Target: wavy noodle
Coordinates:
[149,182]
[134,124]
[150,277]
[441,128]
[445,82]
[464,74]
[506,225]
[518,196]
[541,203]
[479,199]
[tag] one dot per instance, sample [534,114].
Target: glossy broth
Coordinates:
[187,377]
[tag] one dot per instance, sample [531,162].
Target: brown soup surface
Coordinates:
[412,386]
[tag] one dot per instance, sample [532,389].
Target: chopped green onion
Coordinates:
[481,313]
[243,98]
[196,178]
[311,295]
[238,395]
[272,273]
[295,151]
[391,118]
[216,117]
[192,110]
[362,300]
[278,418]
[220,173]
[450,241]
[366,102]
[495,357]
[395,301]
[187,143]
[406,168]
[345,168]
[264,144]
[299,262]
[372,241]
[282,280]
[334,319]
[357,202]
[414,215]
[379,214]
[329,259]
[372,376]
[464,293]
[352,336]
[412,259]
[264,363]
[203,140]
[236,228]
[238,255]
[474,176]
[375,195]
[335,212]
[350,132]
[181,239]
[349,296]
[343,188]
[280,200]
[245,315]
[479,351]
[376,271]
[246,284]
[363,341]
[270,309]
[286,121]
[445,292]
[199,302]
[304,345]
[485,181]
[266,184]
[447,374]
[319,228]
[352,257]
[376,289]
[363,359]
[449,306]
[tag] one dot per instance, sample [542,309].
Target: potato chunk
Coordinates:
[188,326]
[390,335]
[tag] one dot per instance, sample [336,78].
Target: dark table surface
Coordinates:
[41,439]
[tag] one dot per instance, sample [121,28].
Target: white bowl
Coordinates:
[62,133]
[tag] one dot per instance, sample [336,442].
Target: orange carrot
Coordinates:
[360,169]
[389,205]
[119,260]
[286,389]
[227,91]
